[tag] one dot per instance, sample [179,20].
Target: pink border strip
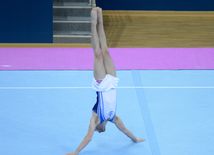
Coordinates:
[124,58]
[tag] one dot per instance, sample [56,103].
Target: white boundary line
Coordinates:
[45,87]
[118,87]
[169,87]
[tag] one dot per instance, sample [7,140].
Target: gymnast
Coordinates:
[105,84]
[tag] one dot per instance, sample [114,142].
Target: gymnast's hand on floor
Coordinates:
[72,153]
[140,140]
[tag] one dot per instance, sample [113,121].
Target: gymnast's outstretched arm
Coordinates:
[93,123]
[119,123]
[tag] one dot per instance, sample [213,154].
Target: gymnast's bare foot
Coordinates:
[94,16]
[100,16]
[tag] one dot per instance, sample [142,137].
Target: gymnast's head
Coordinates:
[100,128]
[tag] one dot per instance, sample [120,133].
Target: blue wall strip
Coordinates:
[156,5]
[145,113]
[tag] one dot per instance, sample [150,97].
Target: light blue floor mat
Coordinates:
[48,112]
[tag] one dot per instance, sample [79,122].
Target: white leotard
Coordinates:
[106,103]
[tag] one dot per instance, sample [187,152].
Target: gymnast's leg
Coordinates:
[110,69]
[99,69]
[107,60]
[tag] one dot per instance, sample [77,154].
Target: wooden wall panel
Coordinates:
[159,29]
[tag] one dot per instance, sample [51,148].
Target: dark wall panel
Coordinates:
[26,21]
[159,5]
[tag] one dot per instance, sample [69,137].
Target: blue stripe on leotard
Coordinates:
[97,109]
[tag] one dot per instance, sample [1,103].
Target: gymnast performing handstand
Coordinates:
[105,84]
